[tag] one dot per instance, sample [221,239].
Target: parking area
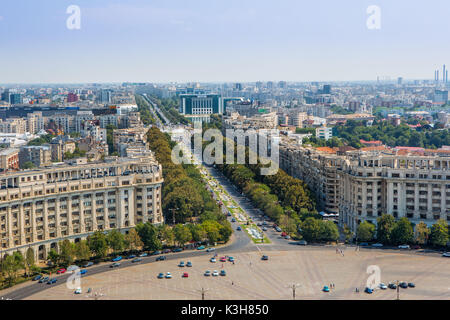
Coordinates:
[251,278]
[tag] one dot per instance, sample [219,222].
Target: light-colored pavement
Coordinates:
[252,278]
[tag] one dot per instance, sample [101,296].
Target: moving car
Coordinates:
[52,281]
[38,277]
[446,254]
[302,243]
[90,263]
[161,258]
[377,245]
[78,291]
[210,249]
[403,246]
[83,271]
[278,229]
[223,273]
[118,258]
[239,228]
[383,286]
[185,275]
[61,271]
[168,275]
[181,264]
[264,257]
[207,273]
[201,248]
[368,290]
[161,275]
[189,264]
[136,260]
[326,289]
[233,219]
[215,273]
[115,265]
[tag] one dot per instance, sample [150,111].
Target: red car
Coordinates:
[60,271]
[284,234]
[223,259]
[185,275]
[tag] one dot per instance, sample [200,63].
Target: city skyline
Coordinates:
[222,41]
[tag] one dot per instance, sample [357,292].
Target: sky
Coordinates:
[221,40]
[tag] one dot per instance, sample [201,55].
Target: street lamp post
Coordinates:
[173,214]
[294,287]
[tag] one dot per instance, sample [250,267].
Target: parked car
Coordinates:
[189,264]
[215,273]
[118,258]
[231,259]
[38,277]
[185,275]
[61,271]
[82,271]
[403,246]
[168,275]
[283,234]
[156,253]
[167,251]
[223,273]
[181,264]
[264,229]
[131,257]
[115,265]
[52,281]
[326,289]
[90,263]
[136,260]
[377,245]
[161,275]
[233,219]
[44,279]
[143,255]
[264,257]
[368,290]
[207,273]
[161,258]
[364,244]
[239,228]
[287,237]
[392,285]
[78,291]
[411,285]
[201,248]
[416,247]
[446,254]
[210,249]
[213,260]
[302,243]
[177,250]
[383,286]
[403,285]
[223,259]
[278,229]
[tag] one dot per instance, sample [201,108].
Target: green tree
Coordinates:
[82,251]
[365,231]
[132,240]
[402,232]
[148,234]
[385,224]
[29,260]
[66,252]
[439,233]
[328,231]
[182,234]
[347,233]
[28,165]
[115,240]
[11,266]
[97,244]
[212,229]
[310,229]
[53,256]
[422,233]
[165,233]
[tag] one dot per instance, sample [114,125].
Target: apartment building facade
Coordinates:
[39,208]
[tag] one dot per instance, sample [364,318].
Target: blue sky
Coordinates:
[221,40]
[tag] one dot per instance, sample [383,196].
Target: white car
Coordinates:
[213,260]
[210,249]
[446,254]
[215,273]
[168,275]
[78,291]
[383,286]
[403,246]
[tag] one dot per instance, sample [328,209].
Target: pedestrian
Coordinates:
[233,261]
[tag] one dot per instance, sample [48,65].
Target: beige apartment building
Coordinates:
[363,185]
[39,208]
